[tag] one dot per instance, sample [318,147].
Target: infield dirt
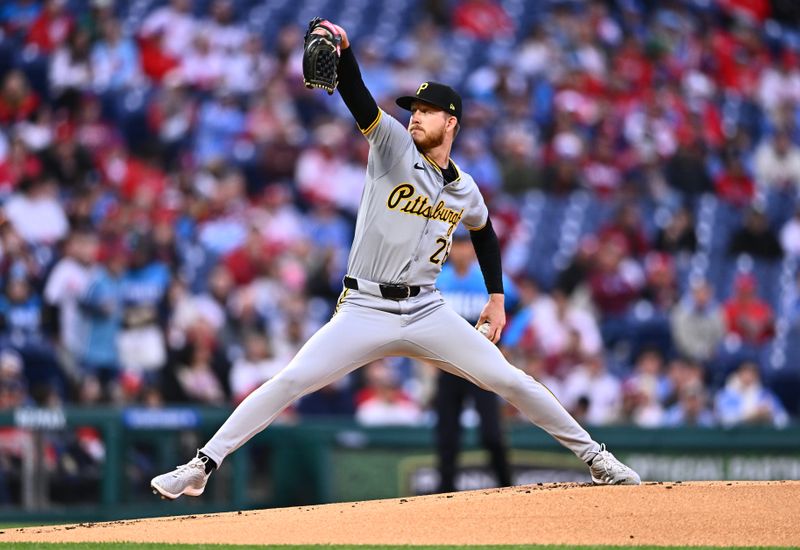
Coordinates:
[688,513]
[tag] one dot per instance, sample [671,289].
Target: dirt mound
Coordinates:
[696,513]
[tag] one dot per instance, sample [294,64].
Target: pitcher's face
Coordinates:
[427,125]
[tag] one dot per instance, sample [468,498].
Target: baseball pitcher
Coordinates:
[414,198]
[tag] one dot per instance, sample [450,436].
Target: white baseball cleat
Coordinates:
[189,479]
[607,470]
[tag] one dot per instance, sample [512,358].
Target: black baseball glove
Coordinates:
[321,56]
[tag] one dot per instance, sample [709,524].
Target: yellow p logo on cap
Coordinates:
[422,87]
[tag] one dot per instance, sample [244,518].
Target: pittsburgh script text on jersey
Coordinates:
[420,205]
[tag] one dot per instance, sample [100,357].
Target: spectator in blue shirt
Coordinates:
[143,287]
[16,17]
[114,60]
[21,326]
[101,319]
[219,123]
[744,400]
[691,409]
[21,312]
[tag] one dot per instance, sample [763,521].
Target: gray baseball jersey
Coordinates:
[403,233]
[407,214]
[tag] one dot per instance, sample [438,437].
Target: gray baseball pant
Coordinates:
[366,328]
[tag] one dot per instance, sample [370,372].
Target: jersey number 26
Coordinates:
[443,251]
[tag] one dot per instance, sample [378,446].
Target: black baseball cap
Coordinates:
[437,94]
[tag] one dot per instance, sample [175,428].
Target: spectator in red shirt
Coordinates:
[746,315]
[137,179]
[631,65]
[92,132]
[52,27]
[757,11]
[734,184]
[602,171]
[740,57]
[383,402]
[562,175]
[251,260]
[615,282]
[482,19]
[17,101]
[661,285]
[627,226]
[19,164]
[156,62]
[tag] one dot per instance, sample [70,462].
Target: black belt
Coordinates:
[390,292]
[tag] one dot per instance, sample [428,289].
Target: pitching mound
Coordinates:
[697,513]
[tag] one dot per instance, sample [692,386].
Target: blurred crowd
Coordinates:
[177,208]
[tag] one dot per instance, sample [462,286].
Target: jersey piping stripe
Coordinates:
[478,228]
[371,127]
[438,169]
[431,162]
[340,301]
[458,170]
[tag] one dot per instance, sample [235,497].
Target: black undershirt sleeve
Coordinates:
[354,92]
[487,248]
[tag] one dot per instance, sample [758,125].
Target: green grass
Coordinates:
[18,524]
[157,546]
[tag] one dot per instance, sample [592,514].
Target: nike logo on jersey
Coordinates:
[405,198]
[418,167]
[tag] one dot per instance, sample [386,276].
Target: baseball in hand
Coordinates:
[485,328]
